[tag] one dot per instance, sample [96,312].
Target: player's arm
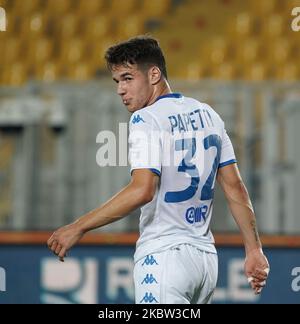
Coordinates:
[138,192]
[241,208]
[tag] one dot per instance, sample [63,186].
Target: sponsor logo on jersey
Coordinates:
[196,215]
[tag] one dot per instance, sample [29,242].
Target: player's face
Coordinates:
[133,86]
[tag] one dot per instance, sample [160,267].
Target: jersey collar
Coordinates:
[170,95]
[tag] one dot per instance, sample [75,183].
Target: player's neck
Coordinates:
[161,89]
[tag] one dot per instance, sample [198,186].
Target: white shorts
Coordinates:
[183,274]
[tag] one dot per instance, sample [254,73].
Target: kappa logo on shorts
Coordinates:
[149,279]
[149,298]
[137,119]
[149,260]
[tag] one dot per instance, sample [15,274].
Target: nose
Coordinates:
[120,89]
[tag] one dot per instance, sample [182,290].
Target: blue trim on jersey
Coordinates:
[221,165]
[170,95]
[157,172]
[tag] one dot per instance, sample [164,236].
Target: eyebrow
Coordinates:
[125,74]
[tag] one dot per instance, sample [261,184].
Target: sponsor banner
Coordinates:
[103,275]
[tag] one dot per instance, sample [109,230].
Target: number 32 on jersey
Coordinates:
[188,167]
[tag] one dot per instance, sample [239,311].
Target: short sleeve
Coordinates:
[144,143]
[227,152]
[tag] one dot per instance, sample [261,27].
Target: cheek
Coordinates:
[142,91]
[137,92]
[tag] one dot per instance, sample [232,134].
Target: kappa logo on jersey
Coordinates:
[149,298]
[149,279]
[137,119]
[149,260]
[196,215]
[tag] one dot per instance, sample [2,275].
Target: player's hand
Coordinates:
[256,269]
[63,239]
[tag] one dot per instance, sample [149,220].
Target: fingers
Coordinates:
[50,241]
[62,254]
[258,280]
[259,284]
[259,274]
[259,287]
[255,285]
[53,246]
[262,283]
[56,248]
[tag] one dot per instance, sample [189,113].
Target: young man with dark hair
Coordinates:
[178,148]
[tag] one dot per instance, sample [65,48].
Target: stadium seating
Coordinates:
[121,9]
[90,8]
[47,72]
[15,74]
[223,39]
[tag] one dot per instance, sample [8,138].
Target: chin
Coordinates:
[132,109]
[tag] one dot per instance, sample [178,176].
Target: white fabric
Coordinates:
[181,275]
[185,142]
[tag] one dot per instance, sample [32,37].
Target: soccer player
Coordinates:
[178,147]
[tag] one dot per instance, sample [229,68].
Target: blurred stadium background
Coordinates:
[242,57]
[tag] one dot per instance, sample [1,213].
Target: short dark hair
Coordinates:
[144,51]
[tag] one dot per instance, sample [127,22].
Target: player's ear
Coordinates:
[154,75]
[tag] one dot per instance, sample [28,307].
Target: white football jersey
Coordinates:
[185,143]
